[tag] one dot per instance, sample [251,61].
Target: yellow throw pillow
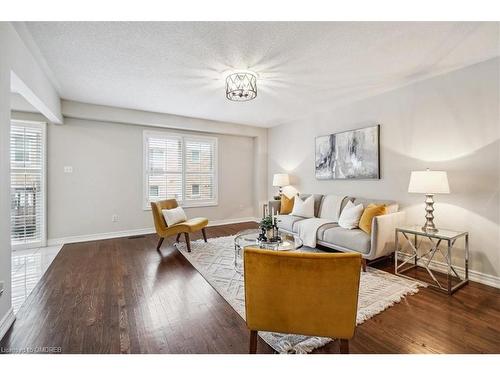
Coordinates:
[286,205]
[365,223]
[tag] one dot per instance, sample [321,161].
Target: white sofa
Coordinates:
[371,246]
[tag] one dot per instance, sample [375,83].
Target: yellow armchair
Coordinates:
[301,293]
[186,227]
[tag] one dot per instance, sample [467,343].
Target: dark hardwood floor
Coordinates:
[120,296]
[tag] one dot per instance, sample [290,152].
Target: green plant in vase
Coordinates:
[266,222]
[265,225]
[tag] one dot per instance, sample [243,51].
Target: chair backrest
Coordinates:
[159,220]
[302,293]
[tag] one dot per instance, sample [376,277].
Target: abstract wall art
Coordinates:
[353,154]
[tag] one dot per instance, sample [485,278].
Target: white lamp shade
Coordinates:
[429,182]
[281,179]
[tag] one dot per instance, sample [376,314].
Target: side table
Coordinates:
[403,260]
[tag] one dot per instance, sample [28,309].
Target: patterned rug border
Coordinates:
[308,344]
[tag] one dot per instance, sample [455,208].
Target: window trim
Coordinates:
[183,137]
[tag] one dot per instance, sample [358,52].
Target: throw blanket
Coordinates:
[308,229]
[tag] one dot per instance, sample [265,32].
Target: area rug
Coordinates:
[215,262]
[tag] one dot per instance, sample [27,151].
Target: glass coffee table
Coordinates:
[250,237]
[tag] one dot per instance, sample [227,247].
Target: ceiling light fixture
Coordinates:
[241,86]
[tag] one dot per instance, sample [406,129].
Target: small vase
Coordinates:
[269,234]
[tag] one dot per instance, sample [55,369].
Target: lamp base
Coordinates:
[429,216]
[278,197]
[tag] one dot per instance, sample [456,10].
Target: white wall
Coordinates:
[16,61]
[107,178]
[5,264]
[108,114]
[449,122]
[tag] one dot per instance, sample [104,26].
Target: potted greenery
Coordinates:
[265,225]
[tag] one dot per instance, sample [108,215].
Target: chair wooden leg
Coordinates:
[253,342]
[204,234]
[363,264]
[178,236]
[188,242]
[160,241]
[344,346]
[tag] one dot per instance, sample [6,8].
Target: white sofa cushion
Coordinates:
[330,207]
[303,208]
[354,239]
[174,215]
[317,201]
[349,218]
[288,222]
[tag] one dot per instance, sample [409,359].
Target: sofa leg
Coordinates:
[188,242]
[344,346]
[160,241]
[363,264]
[253,342]
[204,234]
[178,236]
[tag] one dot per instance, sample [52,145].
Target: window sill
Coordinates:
[190,205]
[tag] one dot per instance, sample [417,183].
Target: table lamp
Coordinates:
[281,179]
[429,183]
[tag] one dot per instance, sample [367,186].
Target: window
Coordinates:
[153,191]
[180,166]
[195,190]
[195,156]
[27,184]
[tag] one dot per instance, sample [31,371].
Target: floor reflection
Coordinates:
[28,267]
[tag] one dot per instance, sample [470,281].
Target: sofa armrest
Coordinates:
[382,236]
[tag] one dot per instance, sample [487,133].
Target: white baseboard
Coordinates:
[6,322]
[214,223]
[98,236]
[132,232]
[476,276]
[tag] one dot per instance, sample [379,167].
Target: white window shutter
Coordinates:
[27,189]
[180,167]
[200,170]
[164,168]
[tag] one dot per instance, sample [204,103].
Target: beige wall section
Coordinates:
[107,161]
[449,122]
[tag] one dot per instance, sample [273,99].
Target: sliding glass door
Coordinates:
[27,164]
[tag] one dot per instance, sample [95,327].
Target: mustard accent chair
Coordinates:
[186,227]
[301,293]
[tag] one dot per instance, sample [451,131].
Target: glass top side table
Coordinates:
[405,261]
[249,237]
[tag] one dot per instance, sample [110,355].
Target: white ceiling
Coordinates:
[302,67]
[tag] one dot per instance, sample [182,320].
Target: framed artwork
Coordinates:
[353,154]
